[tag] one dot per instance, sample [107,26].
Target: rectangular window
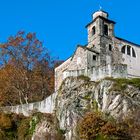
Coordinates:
[94,57]
[93,30]
[106,29]
[110,47]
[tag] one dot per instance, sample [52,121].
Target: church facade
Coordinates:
[105,55]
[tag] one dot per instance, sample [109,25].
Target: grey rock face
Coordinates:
[48,129]
[44,129]
[78,96]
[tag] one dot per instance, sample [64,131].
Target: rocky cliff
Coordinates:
[76,96]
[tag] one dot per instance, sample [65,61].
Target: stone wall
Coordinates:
[59,73]
[107,50]
[75,73]
[77,62]
[45,106]
[116,71]
[79,59]
[97,73]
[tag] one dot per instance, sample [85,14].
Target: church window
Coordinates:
[133,53]
[110,47]
[105,29]
[128,50]
[123,49]
[94,57]
[93,30]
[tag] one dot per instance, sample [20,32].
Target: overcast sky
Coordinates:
[60,24]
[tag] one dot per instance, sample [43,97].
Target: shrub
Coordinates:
[2,134]
[83,77]
[23,129]
[97,126]
[90,125]
[133,122]
[5,122]
[13,126]
[122,83]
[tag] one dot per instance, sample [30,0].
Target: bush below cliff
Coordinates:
[99,126]
[37,126]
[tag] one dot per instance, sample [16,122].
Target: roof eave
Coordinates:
[107,20]
[121,39]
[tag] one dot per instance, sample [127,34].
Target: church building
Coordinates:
[105,55]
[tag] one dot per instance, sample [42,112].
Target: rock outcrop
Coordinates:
[77,96]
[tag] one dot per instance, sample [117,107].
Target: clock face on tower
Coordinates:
[78,60]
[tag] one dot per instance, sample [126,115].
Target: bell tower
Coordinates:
[99,27]
[101,36]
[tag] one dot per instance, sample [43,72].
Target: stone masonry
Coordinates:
[105,55]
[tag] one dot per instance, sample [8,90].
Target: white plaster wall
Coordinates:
[45,106]
[133,63]
[59,73]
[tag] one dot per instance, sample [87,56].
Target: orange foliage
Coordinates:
[94,125]
[5,122]
[27,70]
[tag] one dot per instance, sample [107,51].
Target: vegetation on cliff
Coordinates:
[19,127]
[98,126]
[121,84]
[85,110]
[105,110]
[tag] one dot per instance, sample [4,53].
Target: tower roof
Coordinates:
[105,19]
[100,13]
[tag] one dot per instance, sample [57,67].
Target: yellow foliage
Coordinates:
[5,121]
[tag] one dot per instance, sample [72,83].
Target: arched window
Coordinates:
[123,49]
[128,50]
[93,30]
[105,29]
[133,53]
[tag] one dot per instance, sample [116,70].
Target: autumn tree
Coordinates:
[26,70]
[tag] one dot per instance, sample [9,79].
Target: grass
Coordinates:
[122,83]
